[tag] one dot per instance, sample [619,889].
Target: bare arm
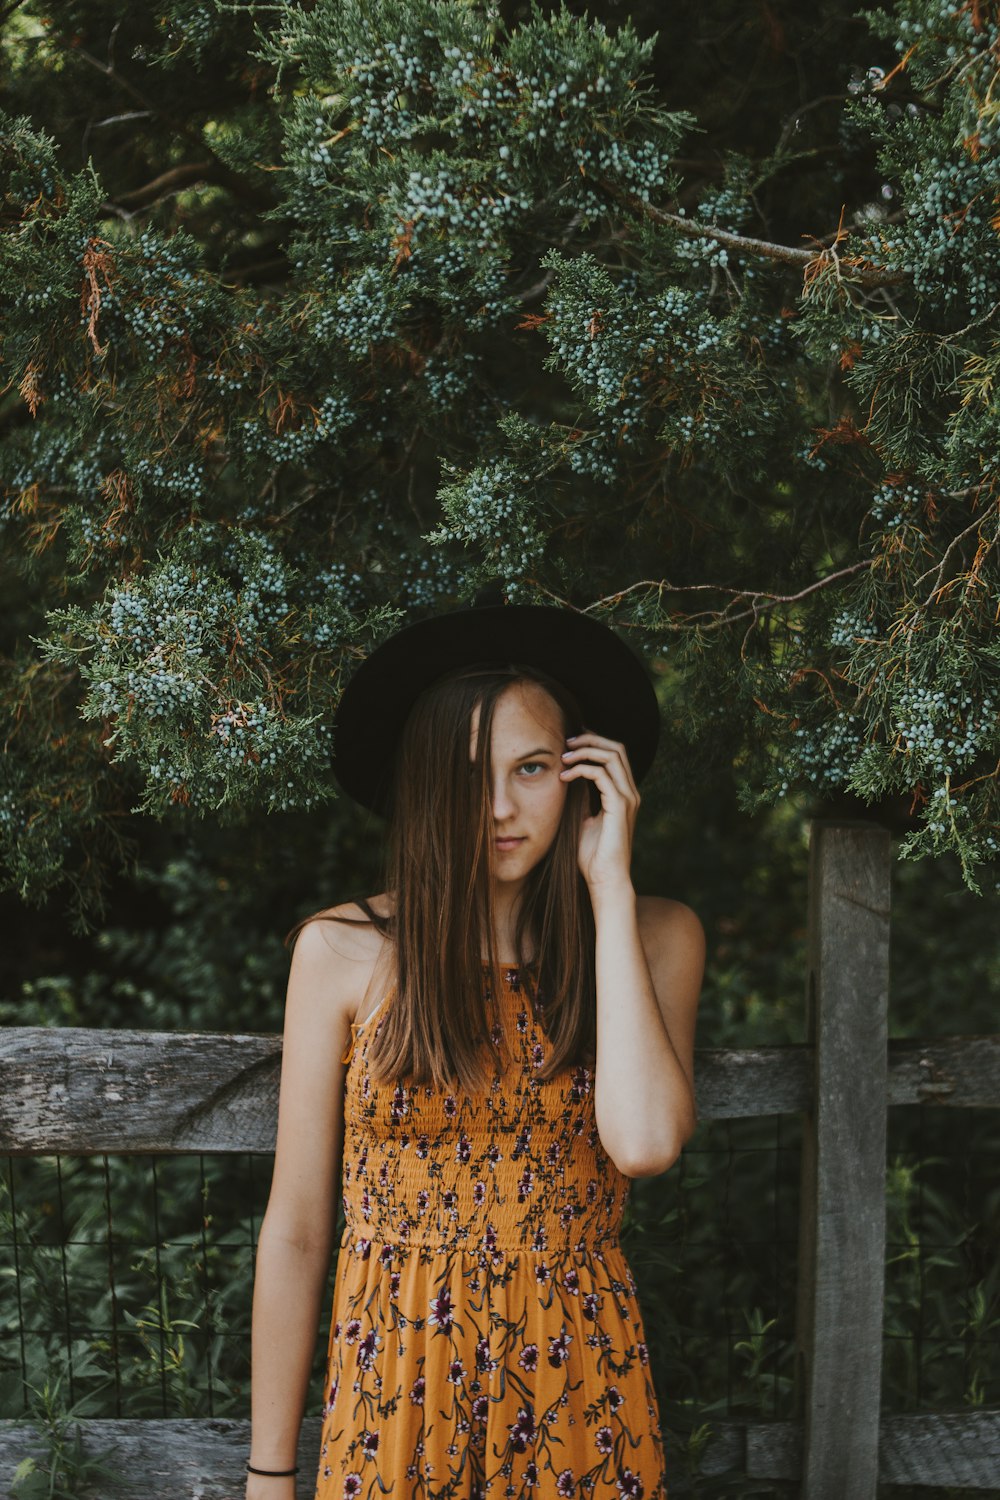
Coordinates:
[296,1236]
[649,980]
[649,964]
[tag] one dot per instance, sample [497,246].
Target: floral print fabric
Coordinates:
[486,1338]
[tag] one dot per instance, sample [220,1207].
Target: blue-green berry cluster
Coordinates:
[945,729]
[493,509]
[50,455]
[432,204]
[894,506]
[159,477]
[825,755]
[728,208]
[849,626]
[153,294]
[949,825]
[330,418]
[369,309]
[656,366]
[945,159]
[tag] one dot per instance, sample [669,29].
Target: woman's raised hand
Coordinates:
[605,852]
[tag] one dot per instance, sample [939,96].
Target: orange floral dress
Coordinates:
[486,1338]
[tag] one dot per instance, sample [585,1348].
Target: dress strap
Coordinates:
[357,1026]
[368,909]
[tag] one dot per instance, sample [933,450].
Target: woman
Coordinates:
[487,1053]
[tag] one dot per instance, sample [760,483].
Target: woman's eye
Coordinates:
[529,763]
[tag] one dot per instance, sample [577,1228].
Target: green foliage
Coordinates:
[942,1306]
[416,294]
[134,1280]
[61,1467]
[161,646]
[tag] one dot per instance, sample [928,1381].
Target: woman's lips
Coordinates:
[503,844]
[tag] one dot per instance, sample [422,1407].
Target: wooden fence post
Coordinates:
[842,1207]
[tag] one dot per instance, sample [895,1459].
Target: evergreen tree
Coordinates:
[317,316]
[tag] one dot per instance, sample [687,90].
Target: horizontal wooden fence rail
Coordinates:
[203,1459]
[74,1091]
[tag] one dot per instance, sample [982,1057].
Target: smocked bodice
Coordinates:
[517,1166]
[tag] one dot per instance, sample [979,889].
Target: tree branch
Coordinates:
[181,176]
[224,174]
[939,570]
[861,271]
[718,617]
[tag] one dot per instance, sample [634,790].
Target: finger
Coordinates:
[611,794]
[619,771]
[588,737]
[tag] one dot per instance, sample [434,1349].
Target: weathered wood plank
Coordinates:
[942,1448]
[746,1082]
[179,1459]
[80,1091]
[204,1459]
[962,1071]
[842,1202]
[75,1090]
[926,1449]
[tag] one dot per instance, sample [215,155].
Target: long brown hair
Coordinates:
[438,867]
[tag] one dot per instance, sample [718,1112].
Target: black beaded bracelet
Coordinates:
[272,1473]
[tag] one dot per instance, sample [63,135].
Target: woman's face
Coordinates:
[528,797]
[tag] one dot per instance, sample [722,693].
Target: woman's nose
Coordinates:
[502,802]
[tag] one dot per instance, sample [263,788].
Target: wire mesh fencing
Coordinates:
[941,1329]
[130,1278]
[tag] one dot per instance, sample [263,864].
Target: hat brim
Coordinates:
[612,686]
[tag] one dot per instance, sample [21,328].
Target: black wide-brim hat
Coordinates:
[610,683]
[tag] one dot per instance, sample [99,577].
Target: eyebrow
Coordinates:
[529,753]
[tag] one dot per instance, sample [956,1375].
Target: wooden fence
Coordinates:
[76,1091]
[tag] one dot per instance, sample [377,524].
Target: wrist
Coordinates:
[615,894]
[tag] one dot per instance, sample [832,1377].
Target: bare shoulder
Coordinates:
[332,962]
[345,953]
[664,921]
